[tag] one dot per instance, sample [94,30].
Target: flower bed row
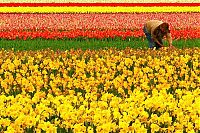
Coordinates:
[118,21]
[12,26]
[96,4]
[98,34]
[100,9]
[104,91]
[100,1]
[95,21]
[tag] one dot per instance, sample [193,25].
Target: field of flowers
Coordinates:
[97,91]
[100,91]
[58,26]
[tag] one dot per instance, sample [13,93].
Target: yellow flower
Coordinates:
[48,127]
[90,130]
[120,90]
[116,114]
[154,128]
[145,86]
[10,129]
[165,118]
[102,105]
[11,67]
[197,123]
[124,126]
[178,131]
[79,128]
[136,126]
[154,118]
[30,122]
[128,62]
[144,116]
[4,84]
[178,126]
[5,122]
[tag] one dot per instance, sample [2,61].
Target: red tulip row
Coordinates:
[98,21]
[99,34]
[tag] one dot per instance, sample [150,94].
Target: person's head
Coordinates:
[164,27]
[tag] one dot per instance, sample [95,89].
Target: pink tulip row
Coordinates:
[118,21]
[99,34]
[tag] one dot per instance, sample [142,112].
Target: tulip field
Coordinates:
[73,68]
[59,26]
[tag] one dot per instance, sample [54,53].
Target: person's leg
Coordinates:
[148,36]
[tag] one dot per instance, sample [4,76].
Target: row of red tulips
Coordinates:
[98,21]
[99,34]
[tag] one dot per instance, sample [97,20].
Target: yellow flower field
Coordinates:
[100,90]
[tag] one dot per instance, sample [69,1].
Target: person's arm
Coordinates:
[156,40]
[169,39]
[154,36]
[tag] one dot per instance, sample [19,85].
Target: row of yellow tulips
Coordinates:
[98,9]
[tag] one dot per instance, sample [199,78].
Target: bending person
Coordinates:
[155,31]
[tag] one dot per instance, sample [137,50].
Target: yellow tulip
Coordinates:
[4,84]
[10,129]
[154,128]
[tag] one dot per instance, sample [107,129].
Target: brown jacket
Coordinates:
[152,25]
